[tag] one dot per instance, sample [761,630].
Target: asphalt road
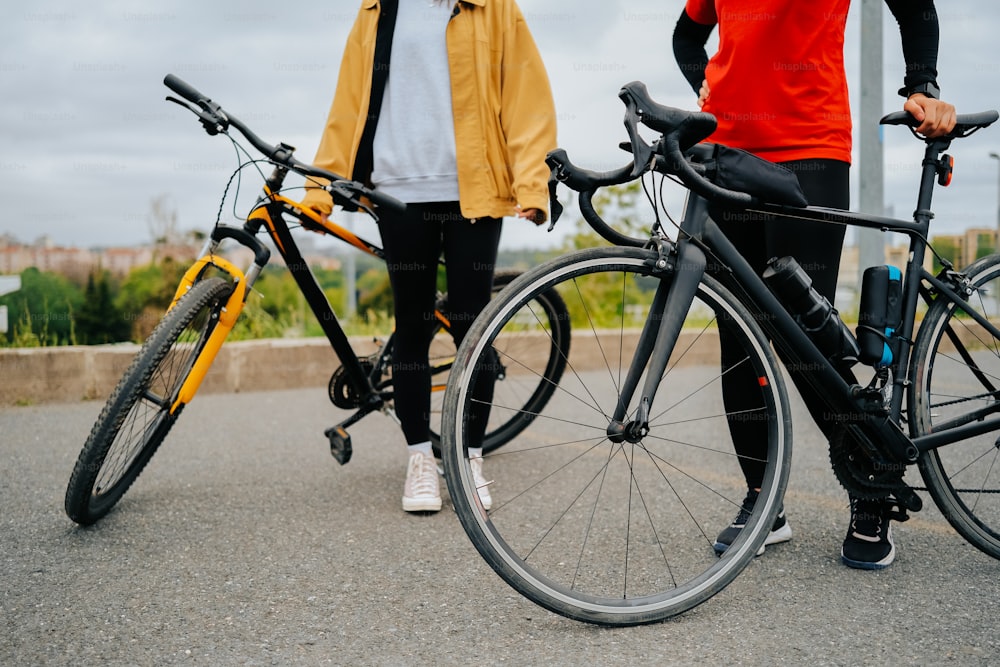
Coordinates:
[245,543]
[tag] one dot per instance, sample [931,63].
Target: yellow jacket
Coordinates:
[505,120]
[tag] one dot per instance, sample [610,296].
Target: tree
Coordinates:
[619,206]
[99,320]
[43,309]
[606,297]
[145,295]
[162,222]
[376,293]
[947,248]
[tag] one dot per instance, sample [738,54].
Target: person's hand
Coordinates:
[703,94]
[535,215]
[936,117]
[324,217]
[322,214]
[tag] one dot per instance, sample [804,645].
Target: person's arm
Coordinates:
[528,115]
[335,142]
[690,38]
[919,31]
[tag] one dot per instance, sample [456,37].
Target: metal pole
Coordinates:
[871,242]
[997,232]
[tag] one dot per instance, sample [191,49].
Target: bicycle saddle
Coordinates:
[965,124]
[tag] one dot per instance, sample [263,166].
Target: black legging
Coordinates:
[413,243]
[817,247]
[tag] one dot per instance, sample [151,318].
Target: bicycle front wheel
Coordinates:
[618,533]
[955,380]
[137,416]
[539,342]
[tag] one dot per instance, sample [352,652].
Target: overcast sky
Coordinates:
[87,142]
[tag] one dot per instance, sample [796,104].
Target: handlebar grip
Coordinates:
[899,118]
[580,179]
[385,201]
[184,89]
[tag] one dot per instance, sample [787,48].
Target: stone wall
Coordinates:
[74,373]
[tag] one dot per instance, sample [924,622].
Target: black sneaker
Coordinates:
[780,531]
[869,545]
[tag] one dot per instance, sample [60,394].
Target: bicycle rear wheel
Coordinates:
[136,417]
[533,356]
[955,380]
[617,534]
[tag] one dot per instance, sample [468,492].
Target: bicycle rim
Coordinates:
[539,342]
[137,416]
[956,380]
[618,534]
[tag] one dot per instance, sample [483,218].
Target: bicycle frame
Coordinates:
[269,214]
[700,236]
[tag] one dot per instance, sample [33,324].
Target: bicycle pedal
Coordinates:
[340,443]
[909,499]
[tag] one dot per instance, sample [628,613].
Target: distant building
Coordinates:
[965,248]
[16,258]
[960,249]
[77,263]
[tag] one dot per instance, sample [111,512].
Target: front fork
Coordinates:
[671,303]
[242,284]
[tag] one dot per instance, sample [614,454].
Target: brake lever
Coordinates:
[348,199]
[213,119]
[555,208]
[643,154]
[342,195]
[557,174]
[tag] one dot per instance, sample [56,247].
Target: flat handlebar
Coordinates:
[215,120]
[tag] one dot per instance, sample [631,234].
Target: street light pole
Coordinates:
[871,242]
[997,233]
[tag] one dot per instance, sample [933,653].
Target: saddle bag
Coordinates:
[736,169]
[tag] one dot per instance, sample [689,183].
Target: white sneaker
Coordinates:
[422,492]
[482,486]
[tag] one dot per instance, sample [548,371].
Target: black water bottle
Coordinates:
[817,317]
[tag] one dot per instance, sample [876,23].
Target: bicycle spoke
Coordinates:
[627,522]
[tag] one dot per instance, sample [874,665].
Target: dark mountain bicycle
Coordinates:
[173,361]
[605,509]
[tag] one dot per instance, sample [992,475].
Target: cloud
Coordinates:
[88,141]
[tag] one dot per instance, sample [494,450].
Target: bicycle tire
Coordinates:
[531,384]
[556,532]
[955,368]
[136,417]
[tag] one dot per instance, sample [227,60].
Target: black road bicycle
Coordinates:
[173,361]
[606,507]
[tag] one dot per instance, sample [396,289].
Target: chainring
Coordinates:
[858,473]
[342,394]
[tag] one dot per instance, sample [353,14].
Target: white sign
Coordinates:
[9,284]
